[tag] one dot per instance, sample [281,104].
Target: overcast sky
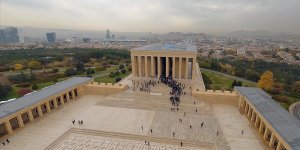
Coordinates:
[154,15]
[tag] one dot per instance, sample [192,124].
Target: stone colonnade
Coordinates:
[265,130]
[179,67]
[10,124]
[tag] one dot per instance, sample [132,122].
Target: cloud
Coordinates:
[155,15]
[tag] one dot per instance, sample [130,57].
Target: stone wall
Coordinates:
[223,97]
[96,88]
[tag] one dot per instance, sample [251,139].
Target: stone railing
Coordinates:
[103,88]
[217,96]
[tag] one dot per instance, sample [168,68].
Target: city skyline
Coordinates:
[142,16]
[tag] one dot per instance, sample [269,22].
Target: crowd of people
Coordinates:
[144,86]
[176,89]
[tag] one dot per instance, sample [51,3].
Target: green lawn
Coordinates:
[45,84]
[221,82]
[107,79]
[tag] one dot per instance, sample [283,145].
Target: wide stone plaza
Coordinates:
[124,121]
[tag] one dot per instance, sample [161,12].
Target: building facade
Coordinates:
[9,35]
[156,60]
[51,37]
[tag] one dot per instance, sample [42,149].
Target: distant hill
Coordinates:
[261,34]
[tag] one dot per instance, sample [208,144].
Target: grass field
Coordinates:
[221,82]
[107,79]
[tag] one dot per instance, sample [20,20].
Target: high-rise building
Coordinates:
[9,35]
[107,36]
[113,37]
[51,37]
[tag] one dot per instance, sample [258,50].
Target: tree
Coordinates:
[54,70]
[3,92]
[252,75]
[34,86]
[23,91]
[70,72]
[118,79]
[239,83]
[79,66]
[18,67]
[121,66]
[117,72]
[123,71]
[233,83]
[33,65]
[112,74]
[266,80]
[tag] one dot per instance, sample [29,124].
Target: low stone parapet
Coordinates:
[98,88]
[217,96]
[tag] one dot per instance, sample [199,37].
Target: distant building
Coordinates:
[74,39]
[9,35]
[113,37]
[86,40]
[107,36]
[51,37]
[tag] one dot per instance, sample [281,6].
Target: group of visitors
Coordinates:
[144,86]
[79,121]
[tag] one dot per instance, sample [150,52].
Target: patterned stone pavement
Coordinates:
[98,141]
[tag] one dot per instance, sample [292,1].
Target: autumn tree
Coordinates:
[33,65]
[18,66]
[266,80]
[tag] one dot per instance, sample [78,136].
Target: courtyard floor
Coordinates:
[134,114]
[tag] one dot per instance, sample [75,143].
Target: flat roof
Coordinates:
[167,47]
[281,120]
[11,107]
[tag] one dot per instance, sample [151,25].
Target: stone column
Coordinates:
[133,65]
[140,65]
[252,116]
[73,93]
[173,67]
[68,96]
[158,66]
[152,66]
[62,100]
[272,140]
[279,146]
[260,126]
[266,133]
[48,107]
[55,102]
[180,67]
[187,68]
[30,116]
[146,66]
[249,112]
[40,112]
[256,121]
[20,121]
[8,127]
[194,70]
[167,66]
